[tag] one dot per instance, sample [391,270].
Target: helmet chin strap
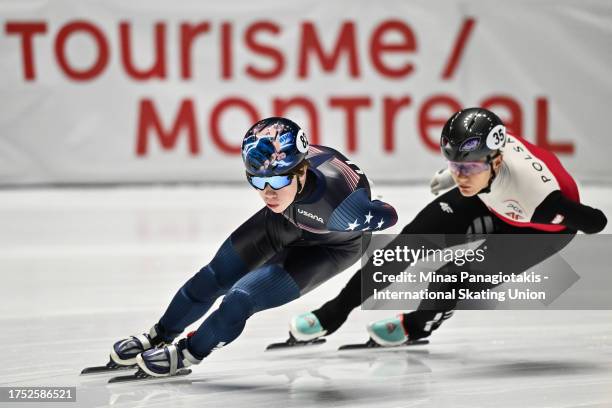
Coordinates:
[487,189]
[300,186]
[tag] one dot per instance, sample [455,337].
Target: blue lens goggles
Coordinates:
[275,182]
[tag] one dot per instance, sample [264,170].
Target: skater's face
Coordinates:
[279,200]
[470,183]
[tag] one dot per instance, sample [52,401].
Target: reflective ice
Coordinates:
[83,268]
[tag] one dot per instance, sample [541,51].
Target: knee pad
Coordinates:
[203,286]
[267,287]
[236,308]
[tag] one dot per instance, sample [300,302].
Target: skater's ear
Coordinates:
[300,173]
[497,161]
[300,169]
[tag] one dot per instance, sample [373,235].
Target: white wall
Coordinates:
[71,110]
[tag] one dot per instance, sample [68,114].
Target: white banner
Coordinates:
[152,91]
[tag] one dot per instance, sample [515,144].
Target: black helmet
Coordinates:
[471,135]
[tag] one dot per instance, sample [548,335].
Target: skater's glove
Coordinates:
[442,180]
[557,209]
[262,154]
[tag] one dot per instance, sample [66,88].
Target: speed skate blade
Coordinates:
[142,376]
[292,342]
[108,368]
[372,344]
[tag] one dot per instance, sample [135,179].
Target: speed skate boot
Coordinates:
[124,351]
[166,361]
[388,332]
[306,327]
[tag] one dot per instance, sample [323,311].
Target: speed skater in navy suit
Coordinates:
[317,221]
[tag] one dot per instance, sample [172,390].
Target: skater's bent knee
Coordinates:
[203,285]
[237,306]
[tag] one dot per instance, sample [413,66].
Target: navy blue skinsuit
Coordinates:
[272,258]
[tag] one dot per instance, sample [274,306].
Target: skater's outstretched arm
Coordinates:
[560,210]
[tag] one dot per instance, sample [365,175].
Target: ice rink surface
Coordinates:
[82,268]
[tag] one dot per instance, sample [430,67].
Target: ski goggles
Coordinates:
[275,182]
[468,168]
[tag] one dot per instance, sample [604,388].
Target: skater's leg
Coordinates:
[189,304]
[335,312]
[295,270]
[252,244]
[331,261]
[194,298]
[264,288]
[526,252]
[421,323]
[431,314]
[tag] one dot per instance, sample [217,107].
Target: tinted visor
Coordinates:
[467,168]
[275,182]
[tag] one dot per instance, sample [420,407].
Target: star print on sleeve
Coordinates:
[352,226]
[358,213]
